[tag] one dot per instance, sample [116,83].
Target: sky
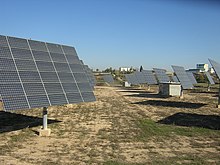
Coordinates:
[121,33]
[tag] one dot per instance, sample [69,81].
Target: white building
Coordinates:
[202,67]
[124,69]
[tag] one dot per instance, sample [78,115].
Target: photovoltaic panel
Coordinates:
[149,77]
[182,77]
[90,76]
[161,75]
[191,77]
[216,67]
[38,74]
[140,77]
[211,81]
[175,79]
[131,78]
[108,78]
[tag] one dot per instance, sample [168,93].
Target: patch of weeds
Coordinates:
[149,129]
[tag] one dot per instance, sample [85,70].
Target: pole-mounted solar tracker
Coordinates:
[216,67]
[38,74]
[161,75]
[108,78]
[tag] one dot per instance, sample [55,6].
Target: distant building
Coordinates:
[125,69]
[202,67]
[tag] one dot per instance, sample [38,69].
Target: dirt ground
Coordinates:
[108,131]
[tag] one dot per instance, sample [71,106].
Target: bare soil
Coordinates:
[108,131]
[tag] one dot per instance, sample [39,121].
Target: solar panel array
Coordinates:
[108,78]
[182,77]
[211,81]
[191,77]
[132,79]
[140,77]
[161,75]
[216,67]
[38,74]
[175,79]
[90,76]
[149,77]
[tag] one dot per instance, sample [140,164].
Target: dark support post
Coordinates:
[181,94]
[219,96]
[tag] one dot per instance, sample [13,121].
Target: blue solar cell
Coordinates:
[49,77]
[41,56]
[15,103]
[150,78]
[53,88]
[182,77]
[62,67]
[5,52]
[30,76]
[108,78]
[7,64]
[211,81]
[161,75]
[57,99]
[18,42]
[75,98]
[45,66]
[57,57]
[38,101]
[37,45]
[3,41]
[23,54]
[70,88]
[25,65]
[216,67]
[54,48]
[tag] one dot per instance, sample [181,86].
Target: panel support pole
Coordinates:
[44,131]
[219,96]
[45,118]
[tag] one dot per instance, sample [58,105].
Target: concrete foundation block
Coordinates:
[44,132]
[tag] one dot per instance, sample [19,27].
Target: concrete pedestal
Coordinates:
[44,132]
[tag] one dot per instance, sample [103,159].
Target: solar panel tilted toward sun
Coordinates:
[182,77]
[191,77]
[216,67]
[140,77]
[108,78]
[149,77]
[132,79]
[39,74]
[161,75]
[175,79]
[211,81]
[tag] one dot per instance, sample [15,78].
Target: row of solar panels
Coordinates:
[39,74]
[186,78]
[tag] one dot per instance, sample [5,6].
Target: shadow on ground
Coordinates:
[147,95]
[12,121]
[193,120]
[175,104]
